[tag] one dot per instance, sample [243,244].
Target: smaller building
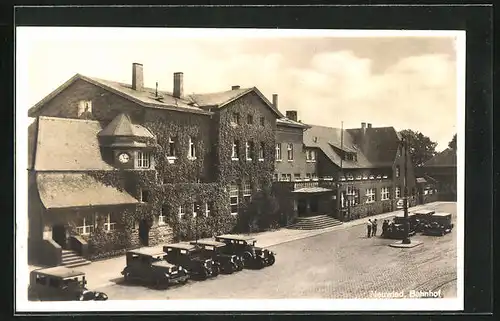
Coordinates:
[441,172]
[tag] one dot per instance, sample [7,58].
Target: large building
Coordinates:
[114,166]
[439,175]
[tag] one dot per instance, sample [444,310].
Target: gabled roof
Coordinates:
[448,157]
[291,123]
[121,126]
[329,139]
[64,144]
[145,98]
[379,144]
[63,190]
[223,98]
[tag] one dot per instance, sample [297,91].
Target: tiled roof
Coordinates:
[121,125]
[68,144]
[326,138]
[221,99]
[379,144]
[146,97]
[62,190]
[448,157]
[291,123]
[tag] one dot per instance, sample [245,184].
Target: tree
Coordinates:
[420,147]
[453,143]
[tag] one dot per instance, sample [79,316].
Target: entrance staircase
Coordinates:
[314,222]
[71,259]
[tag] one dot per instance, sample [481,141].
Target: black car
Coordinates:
[399,219]
[422,217]
[228,263]
[61,284]
[244,246]
[439,224]
[396,231]
[148,266]
[193,259]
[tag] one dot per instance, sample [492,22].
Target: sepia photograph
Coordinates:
[244,169]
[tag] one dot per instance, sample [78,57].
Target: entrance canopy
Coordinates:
[63,190]
[309,190]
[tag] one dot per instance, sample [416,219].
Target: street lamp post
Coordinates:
[406,238]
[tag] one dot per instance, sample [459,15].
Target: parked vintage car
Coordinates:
[244,246]
[61,284]
[412,219]
[193,259]
[147,265]
[439,224]
[422,217]
[228,263]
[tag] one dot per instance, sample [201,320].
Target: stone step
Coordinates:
[72,260]
[315,222]
[76,264]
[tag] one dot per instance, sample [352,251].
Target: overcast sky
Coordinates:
[405,82]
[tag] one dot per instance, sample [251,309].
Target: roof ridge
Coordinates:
[69,119]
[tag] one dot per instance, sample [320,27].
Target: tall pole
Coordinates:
[339,203]
[406,239]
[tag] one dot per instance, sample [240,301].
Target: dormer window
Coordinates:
[143,160]
[84,108]
[350,156]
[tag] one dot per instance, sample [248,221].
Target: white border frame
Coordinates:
[22,121]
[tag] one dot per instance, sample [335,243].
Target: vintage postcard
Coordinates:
[279,169]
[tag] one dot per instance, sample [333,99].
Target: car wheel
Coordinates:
[126,277]
[215,270]
[230,268]
[271,260]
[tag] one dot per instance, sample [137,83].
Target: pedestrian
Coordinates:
[385,224]
[374,228]
[369,228]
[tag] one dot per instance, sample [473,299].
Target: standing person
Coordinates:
[369,228]
[374,228]
[385,224]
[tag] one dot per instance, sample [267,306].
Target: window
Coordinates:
[397,170]
[288,177]
[384,193]
[236,118]
[144,195]
[249,119]
[143,159]
[162,216]
[310,155]
[171,147]
[276,177]
[262,121]
[278,151]
[296,176]
[397,192]
[109,225]
[196,208]
[86,226]
[249,150]
[283,177]
[261,151]
[192,148]
[350,197]
[370,195]
[247,192]
[233,198]
[236,147]
[208,208]
[308,176]
[84,108]
[314,176]
[289,150]
[182,211]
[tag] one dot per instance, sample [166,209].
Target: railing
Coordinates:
[326,182]
[79,245]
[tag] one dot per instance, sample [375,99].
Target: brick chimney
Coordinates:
[275,101]
[291,114]
[137,77]
[369,125]
[363,128]
[178,84]
[235,87]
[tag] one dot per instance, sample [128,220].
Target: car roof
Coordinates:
[424,212]
[163,263]
[60,272]
[150,251]
[403,214]
[181,245]
[236,237]
[441,214]
[209,242]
